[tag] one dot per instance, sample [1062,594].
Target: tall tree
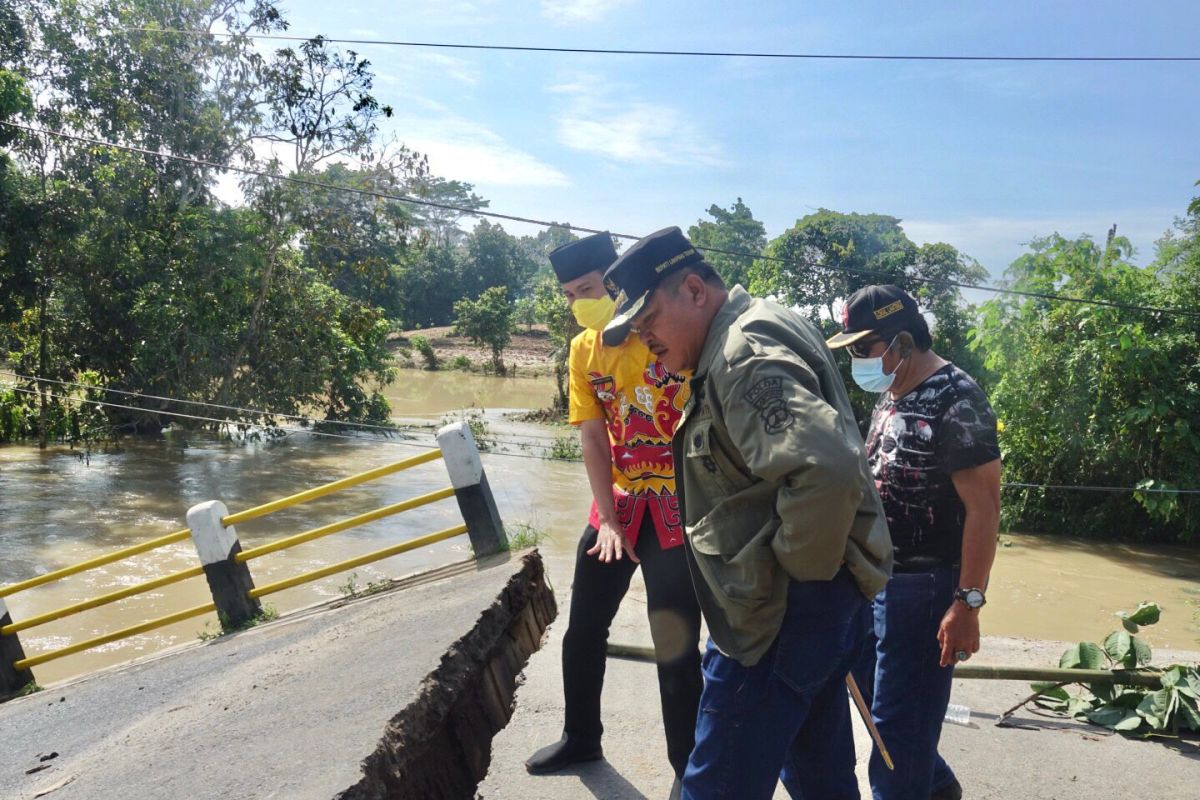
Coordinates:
[734,230]
[1096,395]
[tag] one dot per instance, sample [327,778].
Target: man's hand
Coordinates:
[611,543]
[959,631]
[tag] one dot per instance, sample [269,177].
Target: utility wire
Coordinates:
[686,53]
[509,454]
[566,226]
[254,411]
[401,429]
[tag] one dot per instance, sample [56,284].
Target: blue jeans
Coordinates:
[900,677]
[788,715]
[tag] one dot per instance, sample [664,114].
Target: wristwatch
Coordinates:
[971,598]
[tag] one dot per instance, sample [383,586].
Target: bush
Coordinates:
[422,346]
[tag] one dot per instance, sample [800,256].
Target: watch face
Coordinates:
[972,598]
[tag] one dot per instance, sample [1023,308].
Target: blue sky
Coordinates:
[981,155]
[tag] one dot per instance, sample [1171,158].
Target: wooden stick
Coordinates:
[865,713]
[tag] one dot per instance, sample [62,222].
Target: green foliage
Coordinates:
[351,588]
[524,534]
[566,447]
[1096,395]
[487,320]
[461,362]
[30,688]
[553,310]
[422,345]
[734,229]
[1120,707]
[827,256]
[478,425]
[268,613]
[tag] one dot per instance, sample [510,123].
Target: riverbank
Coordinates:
[529,354]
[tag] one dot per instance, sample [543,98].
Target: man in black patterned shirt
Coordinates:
[933,451]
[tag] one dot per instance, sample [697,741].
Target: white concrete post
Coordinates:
[11,680]
[471,489]
[229,581]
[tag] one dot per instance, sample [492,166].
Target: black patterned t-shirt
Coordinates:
[942,426]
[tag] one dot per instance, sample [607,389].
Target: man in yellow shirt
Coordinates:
[626,405]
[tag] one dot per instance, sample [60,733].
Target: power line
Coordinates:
[508,454]
[253,411]
[401,429]
[566,226]
[682,53]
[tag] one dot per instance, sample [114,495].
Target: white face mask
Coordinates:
[869,375]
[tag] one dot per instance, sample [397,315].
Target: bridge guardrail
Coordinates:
[225,564]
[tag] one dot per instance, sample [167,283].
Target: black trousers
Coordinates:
[674,626]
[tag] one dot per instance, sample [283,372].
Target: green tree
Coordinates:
[487,320]
[827,256]
[734,229]
[494,258]
[1096,395]
[553,310]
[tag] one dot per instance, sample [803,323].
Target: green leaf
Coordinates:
[1129,624]
[1146,614]
[1108,716]
[1131,722]
[1090,656]
[1141,651]
[1044,686]
[1154,708]
[1119,646]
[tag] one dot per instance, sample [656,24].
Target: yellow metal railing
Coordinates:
[98,561]
[124,633]
[329,488]
[241,557]
[342,566]
[337,527]
[102,600]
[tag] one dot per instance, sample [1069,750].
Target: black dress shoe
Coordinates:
[562,754]
[951,791]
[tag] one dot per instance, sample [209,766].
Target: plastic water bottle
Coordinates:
[958,715]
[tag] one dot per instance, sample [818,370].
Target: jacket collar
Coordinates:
[735,305]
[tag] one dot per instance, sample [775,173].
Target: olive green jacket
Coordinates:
[772,475]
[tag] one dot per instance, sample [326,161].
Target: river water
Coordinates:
[61,506]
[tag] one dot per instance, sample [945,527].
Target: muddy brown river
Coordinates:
[61,506]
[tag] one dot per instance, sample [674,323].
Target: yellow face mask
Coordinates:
[594,312]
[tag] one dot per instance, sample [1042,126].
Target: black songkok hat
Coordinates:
[640,270]
[575,259]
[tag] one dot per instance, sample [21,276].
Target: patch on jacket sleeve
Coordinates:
[767,397]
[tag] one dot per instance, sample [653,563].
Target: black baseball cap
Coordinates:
[640,270]
[575,259]
[880,309]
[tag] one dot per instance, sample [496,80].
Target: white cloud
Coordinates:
[998,241]
[461,149]
[574,12]
[634,132]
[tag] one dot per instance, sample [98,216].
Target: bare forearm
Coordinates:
[978,548]
[597,461]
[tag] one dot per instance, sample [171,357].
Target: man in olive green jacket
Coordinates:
[785,532]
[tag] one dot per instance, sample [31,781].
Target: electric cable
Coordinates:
[654,52]
[566,226]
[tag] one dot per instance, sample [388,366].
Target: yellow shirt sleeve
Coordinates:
[583,403]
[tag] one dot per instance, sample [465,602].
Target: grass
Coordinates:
[566,447]
[351,588]
[525,534]
[267,613]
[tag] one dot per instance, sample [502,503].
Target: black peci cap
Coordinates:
[575,259]
[640,270]
[877,309]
